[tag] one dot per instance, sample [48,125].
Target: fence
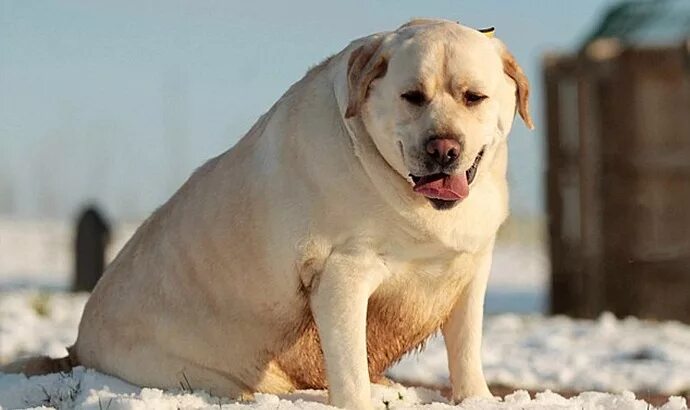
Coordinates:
[618,125]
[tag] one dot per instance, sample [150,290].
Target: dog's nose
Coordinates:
[445,151]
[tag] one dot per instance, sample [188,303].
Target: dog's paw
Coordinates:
[469,392]
[354,405]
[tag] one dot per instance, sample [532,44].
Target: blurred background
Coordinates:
[106,108]
[114,105]
[118,103]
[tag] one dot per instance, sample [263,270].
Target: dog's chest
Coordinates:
[403,312]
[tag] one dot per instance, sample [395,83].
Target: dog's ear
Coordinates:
[365,65]
[514,71]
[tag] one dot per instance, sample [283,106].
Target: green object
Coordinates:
[647,22]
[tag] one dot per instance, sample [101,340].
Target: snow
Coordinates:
[87,389]
[38,253]
[538,352]
[526,350]
[530,351]
[33,323]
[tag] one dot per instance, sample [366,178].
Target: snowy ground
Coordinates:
[529,351]
[38,253]
[90,390]
[526,350]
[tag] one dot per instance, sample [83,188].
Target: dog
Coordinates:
[355,219]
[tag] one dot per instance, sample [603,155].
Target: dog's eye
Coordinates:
[414,97]
[472,98]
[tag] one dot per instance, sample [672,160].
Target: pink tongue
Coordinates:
[441,186]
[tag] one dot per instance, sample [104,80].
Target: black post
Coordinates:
[92,237]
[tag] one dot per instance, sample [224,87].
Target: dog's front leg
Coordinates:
[339,305]
[463,334]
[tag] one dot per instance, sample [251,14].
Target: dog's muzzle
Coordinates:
[445,190]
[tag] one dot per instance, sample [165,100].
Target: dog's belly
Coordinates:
[397,322]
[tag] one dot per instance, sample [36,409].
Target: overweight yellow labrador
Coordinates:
[353,220]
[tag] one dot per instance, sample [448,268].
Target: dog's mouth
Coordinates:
[446,190]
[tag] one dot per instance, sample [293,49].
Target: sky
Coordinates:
[118,102]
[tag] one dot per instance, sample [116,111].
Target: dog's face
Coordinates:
[436,98]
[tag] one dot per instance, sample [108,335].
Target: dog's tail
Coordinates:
[39,365]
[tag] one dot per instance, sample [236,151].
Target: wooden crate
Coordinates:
[618,126]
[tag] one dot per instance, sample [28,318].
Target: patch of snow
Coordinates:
[87,389]
[527,351]
[38,253]
[561,353]
[530,351]
[33,323]
[519,266]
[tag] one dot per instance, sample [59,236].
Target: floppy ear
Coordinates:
[514,71]
[364,66]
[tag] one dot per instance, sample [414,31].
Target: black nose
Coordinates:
[444,151]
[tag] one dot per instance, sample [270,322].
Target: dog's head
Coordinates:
[436,97]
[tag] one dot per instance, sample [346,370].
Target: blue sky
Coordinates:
[118,102]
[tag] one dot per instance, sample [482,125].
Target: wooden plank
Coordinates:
[647,186]
[558,71]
